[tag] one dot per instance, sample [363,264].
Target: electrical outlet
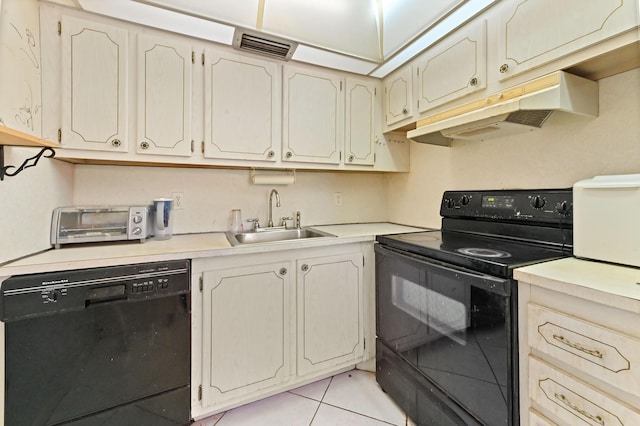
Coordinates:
[338,198]
[178,200]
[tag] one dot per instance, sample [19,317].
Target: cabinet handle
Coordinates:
[304,267]
[563,399]
[116,142]
[283,271]
[289,154]
[593,352]
[473,81]
[144,145]
[270,154]
[504,68]
[405,110]
[351,158]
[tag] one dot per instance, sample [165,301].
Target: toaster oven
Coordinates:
[90,224]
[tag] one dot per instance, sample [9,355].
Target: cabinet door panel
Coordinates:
[164,97]
[575,402]
[329,311]
[398,96]
[360,121]
[94,85]
[242,108]
[558,30]
[312,116]
[246,338]
[455,68]
[598,351]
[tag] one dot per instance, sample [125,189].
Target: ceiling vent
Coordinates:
[263,44]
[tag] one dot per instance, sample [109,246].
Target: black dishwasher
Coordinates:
[101,346]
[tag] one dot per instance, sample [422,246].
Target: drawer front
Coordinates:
[600,352]
[574,402]
[536,419]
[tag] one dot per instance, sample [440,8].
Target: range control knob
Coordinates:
[449,203]
[537,202]
[563,208]
[464,200]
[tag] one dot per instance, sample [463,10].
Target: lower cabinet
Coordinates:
[579,349]
[265,323]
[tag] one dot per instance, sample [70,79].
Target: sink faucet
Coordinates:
[270,210]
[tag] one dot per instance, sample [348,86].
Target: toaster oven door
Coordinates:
[91,225]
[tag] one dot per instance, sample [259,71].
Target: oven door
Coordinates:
[454,327]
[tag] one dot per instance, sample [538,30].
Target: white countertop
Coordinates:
[605,283]
[189,246]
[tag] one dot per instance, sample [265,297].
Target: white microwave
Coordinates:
[606,219]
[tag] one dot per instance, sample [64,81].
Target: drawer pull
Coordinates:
[593,352]
[563,399]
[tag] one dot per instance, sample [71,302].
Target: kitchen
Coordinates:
[566,150]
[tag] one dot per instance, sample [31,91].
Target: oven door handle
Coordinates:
[488,282]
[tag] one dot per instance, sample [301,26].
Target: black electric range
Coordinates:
[446,303]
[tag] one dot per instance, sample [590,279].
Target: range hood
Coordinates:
[519,109]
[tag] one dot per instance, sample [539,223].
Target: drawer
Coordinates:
[600,352]
[537,419]
[574,402]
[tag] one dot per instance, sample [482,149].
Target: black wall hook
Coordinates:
[29,162]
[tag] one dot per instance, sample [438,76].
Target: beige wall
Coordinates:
[210,194]
[567,149]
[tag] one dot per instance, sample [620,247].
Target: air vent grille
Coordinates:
[532,118]
[263,45]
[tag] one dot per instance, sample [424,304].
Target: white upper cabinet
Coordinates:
[532,33]
[94,85]
[242,107]
[360,122]
[313,116]
[398,96]
[454,68]
[164,97]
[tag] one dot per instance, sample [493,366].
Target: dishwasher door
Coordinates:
[108,346]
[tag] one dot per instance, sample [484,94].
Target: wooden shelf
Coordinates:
[11,137]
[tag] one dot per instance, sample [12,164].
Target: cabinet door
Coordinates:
[558,30]
[312,116]
[454,68]
[164,97]
[398,96]
[330,322]
[242,107]
[360,126]
[246,314]
[94,85]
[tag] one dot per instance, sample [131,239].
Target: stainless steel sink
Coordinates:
[273,235]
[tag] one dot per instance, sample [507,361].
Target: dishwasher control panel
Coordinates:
[42,294]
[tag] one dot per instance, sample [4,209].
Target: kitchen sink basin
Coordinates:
[273,235]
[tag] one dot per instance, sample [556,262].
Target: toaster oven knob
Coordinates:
[537,202]
[137,219]
[137,231]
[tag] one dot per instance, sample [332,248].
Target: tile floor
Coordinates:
[352,398]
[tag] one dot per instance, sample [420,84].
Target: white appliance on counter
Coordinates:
[606,219]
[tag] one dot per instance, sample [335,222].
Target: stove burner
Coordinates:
[483,252]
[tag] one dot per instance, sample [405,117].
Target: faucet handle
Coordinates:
[297,223]
[283,220]
[256,223]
